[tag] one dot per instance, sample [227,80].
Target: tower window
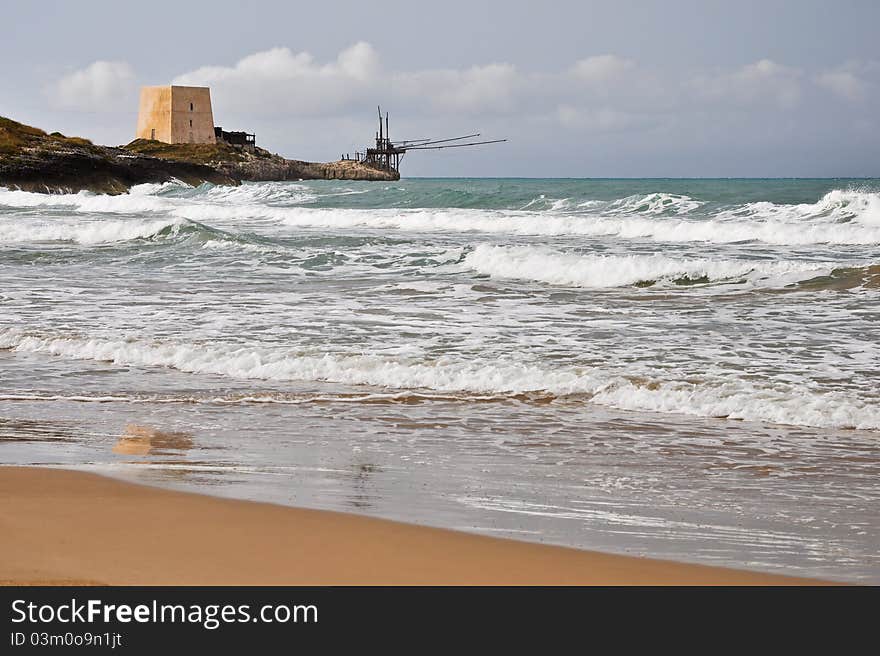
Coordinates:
[190,122]
[190,107]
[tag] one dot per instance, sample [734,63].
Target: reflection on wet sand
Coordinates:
[363,496]
[139,440]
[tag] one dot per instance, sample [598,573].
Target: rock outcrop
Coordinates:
[32,160]
[278,168]
[259,165]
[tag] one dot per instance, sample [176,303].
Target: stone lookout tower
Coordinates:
[176,115]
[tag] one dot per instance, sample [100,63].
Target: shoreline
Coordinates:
[68,527]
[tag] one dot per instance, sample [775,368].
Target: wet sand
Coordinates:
[69,527]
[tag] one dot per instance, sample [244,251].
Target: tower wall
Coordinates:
[154,114]
[192,120]
[176,115]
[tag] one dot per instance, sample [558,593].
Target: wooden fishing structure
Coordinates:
[387,154]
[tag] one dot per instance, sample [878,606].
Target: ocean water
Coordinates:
[687,369]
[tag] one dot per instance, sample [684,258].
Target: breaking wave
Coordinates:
[102,232]
[838,206]
[657,203]
[91,233]
[652,204]
[601,271]
[673,231]
[772,401]
[839,217]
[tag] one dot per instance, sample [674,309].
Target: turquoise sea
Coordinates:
[687,369]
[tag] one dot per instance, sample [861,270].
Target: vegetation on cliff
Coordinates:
[208,154]
[14,136]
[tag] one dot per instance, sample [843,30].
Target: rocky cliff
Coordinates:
[32,160]
[257,164]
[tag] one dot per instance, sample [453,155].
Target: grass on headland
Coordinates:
[183,152]
[15,135]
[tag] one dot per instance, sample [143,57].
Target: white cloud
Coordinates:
[100,86]
[851,81]
[480,89]
[360,61]
[281,65]
[842,83]
[760,83]
[603,120]
[281,81]
[601,68]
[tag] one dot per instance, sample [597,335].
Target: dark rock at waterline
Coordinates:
[70,172]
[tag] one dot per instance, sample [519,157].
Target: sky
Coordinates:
[580,89]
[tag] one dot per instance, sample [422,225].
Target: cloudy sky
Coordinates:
[581,89]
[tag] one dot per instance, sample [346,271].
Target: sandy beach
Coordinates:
[69,527]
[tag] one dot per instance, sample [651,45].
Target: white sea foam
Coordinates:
[839,217]
[598,270]
[838,206]
[141,198]
[165,197]
[453,220]
[260,363]
[266,192]
[656,203]
[84,232]
[770,401]
[538,224]
[778,403]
